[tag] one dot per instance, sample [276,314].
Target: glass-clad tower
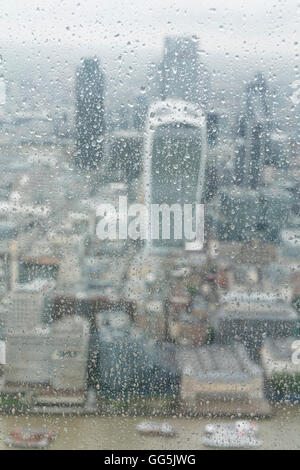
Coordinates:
[183,75]
[90,123]
[174,154]
[253,135]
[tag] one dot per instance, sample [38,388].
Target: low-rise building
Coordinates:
[28,357]
[56,356]
[281,363]
[250,317]
[22,309]
[69,359]
[218,379]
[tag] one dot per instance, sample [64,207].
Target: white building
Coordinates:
[69,357]
[28,358]
[22,309]
[56,356]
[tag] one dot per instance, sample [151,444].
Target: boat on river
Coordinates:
[30,438]
[240,434]
[152,428]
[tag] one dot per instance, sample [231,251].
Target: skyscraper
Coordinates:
[183,76]
[253,134]
[90,123]
[174,155]
[212,128]
[250,208]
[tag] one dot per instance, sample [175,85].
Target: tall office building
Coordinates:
[125,151]
[90,123]
[22,309]
[174,155]
[249,209]
[183,76]
[253,134]
[212,128]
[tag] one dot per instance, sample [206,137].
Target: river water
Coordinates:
[282,431]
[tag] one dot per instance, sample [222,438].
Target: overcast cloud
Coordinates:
[50,36]
[225,25]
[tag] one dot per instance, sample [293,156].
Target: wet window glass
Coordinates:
[149,226]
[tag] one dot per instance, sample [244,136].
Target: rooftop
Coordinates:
[216,363]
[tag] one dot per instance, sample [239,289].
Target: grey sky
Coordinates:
[44,39]
[223,25]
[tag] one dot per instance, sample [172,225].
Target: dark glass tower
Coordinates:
[183,76]
[253,134]
[90,124]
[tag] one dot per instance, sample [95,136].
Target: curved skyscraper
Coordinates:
[174,154]
[90,123]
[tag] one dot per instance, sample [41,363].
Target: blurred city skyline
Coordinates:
[44,43]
